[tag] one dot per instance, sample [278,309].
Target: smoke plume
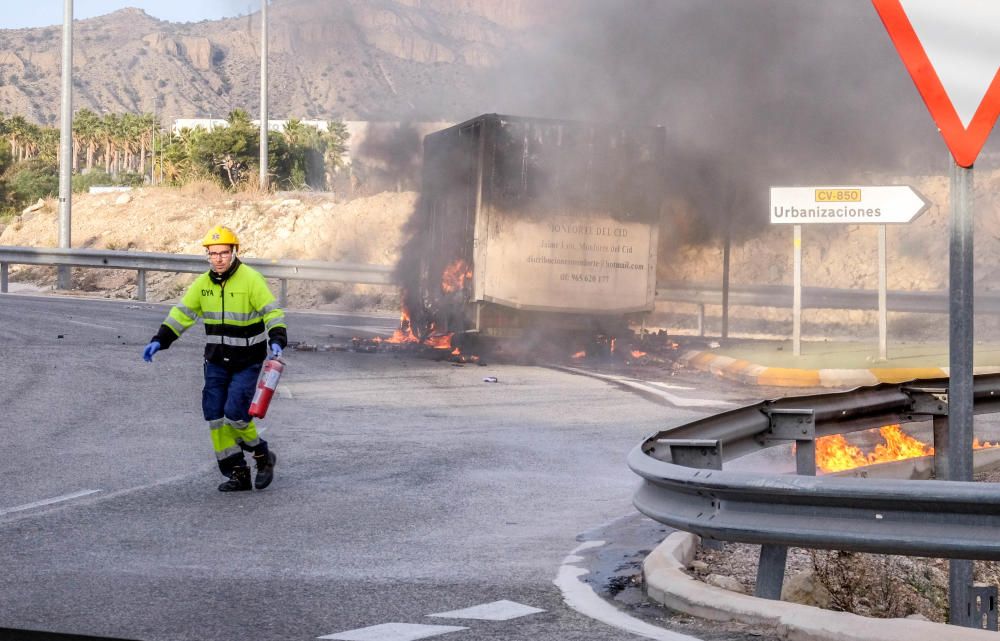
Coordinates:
[753,93]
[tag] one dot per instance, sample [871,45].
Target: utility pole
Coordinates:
[64,279]
[263,94]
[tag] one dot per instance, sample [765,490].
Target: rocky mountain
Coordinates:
[350,59]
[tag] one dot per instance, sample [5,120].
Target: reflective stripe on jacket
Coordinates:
[240,316]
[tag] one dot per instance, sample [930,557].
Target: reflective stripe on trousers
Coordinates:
[228,435]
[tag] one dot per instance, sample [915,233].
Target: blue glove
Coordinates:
[152,348]
[276,350]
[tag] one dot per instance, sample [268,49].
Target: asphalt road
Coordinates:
[405,487]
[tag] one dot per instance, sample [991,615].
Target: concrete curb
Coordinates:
[750,373]
[666,582]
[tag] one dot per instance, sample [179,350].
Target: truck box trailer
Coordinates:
[529,222]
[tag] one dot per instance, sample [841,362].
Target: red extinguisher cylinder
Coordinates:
[270,374]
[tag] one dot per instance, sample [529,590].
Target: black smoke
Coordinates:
[753,93]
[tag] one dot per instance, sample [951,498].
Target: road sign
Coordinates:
[952,51]
[846,204]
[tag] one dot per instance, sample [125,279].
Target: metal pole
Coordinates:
[883,320]
[725,284]
[797,292]
[960,383]
[64,279]
[263,94]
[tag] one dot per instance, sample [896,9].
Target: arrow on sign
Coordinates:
[952,51]
[851,204]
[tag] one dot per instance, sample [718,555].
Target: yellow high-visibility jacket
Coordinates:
[240,314]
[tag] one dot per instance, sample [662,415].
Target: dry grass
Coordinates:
[203,189]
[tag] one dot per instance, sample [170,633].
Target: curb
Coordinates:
[749,373]
[666,582]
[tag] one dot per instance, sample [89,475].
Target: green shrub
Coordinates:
[83,182]
[30,180]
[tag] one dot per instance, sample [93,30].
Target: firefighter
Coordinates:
[241,319]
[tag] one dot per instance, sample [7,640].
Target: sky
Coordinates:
[43,13]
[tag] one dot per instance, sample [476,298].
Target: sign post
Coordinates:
[843,204]
[952,52]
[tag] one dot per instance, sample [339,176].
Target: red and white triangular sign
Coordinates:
[952,51]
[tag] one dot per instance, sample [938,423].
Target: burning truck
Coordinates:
[533,224]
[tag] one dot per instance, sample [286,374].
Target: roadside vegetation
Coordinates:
[133,149]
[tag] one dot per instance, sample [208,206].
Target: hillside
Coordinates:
[352,59]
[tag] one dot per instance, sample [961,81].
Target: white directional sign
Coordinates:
[846,204]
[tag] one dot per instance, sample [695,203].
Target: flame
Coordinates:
[404,334]
[580,354]
[637,354]
[834,453]
[453,278]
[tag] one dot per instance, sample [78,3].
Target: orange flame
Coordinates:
[404,334]
[579,354]
[834,453]
[637,354]
[453,278]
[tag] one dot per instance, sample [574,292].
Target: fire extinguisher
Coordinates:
[267,382]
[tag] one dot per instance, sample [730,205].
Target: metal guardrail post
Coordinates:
[283,293]
[705,454]
[797,425]
[934,402]
[701,319]
[140,285]
[771,571]
[4,267]
[984,607]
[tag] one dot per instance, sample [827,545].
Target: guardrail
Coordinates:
[142,262]
[930,302]
[686,486]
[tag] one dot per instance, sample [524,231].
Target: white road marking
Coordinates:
[582,598]
[666,385]
[393,632]
[653,388]
[502,610]
[44,502]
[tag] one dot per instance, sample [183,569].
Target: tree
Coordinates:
[336,148]
[86,128]
[228,152]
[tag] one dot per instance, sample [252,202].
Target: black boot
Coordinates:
[239,480]
[265,469]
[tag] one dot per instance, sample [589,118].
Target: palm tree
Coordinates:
[336,148]
[86,126]
[17,131]
[146,124]
[106,135]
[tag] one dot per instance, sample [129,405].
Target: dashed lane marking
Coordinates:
[44,502]
[502,610]
[394,632]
